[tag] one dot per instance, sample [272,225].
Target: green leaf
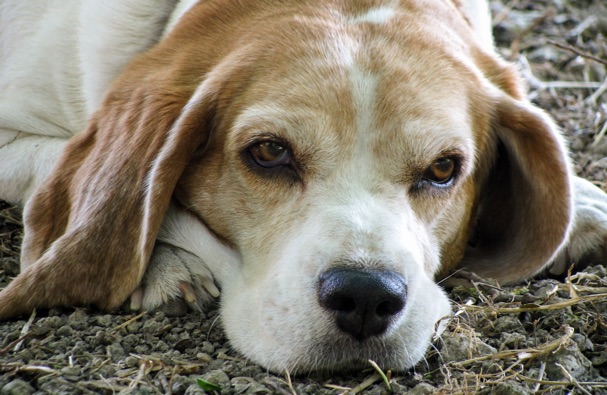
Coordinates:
[206,386]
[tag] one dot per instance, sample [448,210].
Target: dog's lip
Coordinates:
[339,350]
[347,353]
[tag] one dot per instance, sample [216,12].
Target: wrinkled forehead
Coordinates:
[362,70]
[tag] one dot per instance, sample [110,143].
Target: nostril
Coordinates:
[363,302]
[390,307]
[340,303]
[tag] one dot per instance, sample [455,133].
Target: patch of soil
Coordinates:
[543,336]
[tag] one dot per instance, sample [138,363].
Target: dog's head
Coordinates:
[349,156]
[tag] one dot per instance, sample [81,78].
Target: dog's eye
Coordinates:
[270,154]
[440,171]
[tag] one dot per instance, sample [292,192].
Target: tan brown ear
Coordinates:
[90,228]
[525,206]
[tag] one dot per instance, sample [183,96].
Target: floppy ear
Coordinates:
[525,205]
[90,228]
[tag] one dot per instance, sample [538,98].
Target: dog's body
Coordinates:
[322,162]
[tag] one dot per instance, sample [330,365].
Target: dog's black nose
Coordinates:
[364,302]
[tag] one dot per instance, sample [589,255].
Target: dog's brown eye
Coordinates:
[441,171]
[270,154]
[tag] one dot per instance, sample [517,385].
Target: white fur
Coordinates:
[111,33]
[57,59]
[377,15]
[479,16]
[588,233]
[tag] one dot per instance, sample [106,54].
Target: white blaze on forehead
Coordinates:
[378,15]
[363,88]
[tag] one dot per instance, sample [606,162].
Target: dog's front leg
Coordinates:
[186,263]
[175,281]
[587,243]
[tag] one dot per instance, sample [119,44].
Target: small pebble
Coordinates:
[131,361]
[150,326]
[134,327]
[105,320]
[207,347]
[17,387]
[116,352]
[64,331]
[218,377]
[161,346]
[459,347]
[203,357]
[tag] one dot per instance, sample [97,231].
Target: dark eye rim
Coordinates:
[446,180]
[284,160]
[288,169]
[424,182]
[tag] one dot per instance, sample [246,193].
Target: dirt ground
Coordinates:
[539,337]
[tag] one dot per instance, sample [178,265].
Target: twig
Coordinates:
[523,354]
[164,383]
[524,309]
[571,84]
[289,382]
[572,379]
[594,97]
[364,385]
[12,344]
[173,372]
[577,51]
[128,322]
[540,376]
[103,362]
[8,217]
[105,385]
[25,330]
[582,27]
[338,388]
[600,135]
[570,287]
[593,384]
[503,15]
[145,366]
[18,367]
[547,14]
[80,389]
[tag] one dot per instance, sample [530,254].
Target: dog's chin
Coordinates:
[350,355]
[345,354]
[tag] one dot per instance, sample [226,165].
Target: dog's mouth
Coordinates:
[346,354]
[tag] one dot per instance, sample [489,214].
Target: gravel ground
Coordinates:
[544,336]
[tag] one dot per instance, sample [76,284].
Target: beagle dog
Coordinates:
[320,163]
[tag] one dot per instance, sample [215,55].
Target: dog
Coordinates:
[321,164]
